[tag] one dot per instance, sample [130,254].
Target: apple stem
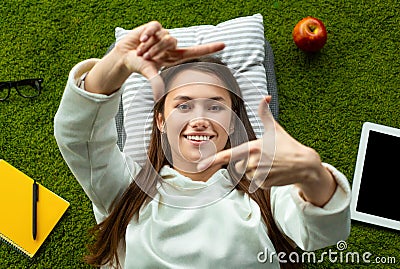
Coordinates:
[312,28]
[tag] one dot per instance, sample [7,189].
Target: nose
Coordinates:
[199,123]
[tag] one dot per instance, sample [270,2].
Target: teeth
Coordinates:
[198,137]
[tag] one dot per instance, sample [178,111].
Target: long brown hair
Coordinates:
[110,233]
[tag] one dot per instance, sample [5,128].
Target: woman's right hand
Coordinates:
[143,50]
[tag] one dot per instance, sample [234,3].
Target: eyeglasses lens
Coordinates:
[30,89]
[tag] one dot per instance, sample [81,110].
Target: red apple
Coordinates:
[310,34]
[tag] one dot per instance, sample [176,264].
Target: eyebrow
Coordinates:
[187,98]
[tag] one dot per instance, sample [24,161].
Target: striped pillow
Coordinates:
[244,54]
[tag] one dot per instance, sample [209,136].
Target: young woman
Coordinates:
[192,205]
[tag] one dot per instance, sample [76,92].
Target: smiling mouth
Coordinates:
[198,138]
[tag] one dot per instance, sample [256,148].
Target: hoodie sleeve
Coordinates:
[311,227]
[84,128]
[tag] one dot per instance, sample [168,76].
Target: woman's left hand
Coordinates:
[277,159]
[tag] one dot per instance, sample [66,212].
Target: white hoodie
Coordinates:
[182,227]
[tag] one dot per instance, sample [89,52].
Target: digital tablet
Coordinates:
[376,191]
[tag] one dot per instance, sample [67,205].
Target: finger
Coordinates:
[149,30]
[247,165]
[224,157]
[200,50]
[259,176]
[268,120]
[240,166]
[255,170]
[183,54]
[147,34]
[150,41]
[161,49]
[161,39]
[265,113]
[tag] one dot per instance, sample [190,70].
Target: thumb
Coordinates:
[148,70]
[265,114]
[158,87]
[156,82]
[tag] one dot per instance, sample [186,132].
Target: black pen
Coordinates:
[35,195]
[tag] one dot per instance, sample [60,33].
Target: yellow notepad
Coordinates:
[16,206]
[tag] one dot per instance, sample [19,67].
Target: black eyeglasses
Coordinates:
[28,88]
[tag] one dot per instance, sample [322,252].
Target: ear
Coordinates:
[160,122]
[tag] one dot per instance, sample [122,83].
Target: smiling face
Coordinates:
[197,118]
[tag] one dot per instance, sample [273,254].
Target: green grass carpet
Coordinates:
[324,99]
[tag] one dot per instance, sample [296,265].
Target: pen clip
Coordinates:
[36,190]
